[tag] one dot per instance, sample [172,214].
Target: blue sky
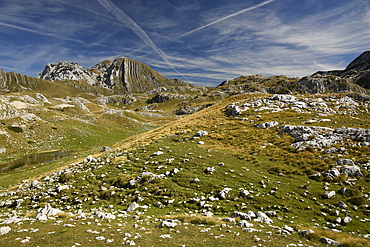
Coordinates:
[200,41]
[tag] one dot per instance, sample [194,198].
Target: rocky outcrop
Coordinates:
[13,82]
[122,75]
[66,71]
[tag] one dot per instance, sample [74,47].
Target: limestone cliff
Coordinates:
[122,75]
[11,81]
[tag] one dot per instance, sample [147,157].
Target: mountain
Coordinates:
[252,162]
[122,75]
[354,78]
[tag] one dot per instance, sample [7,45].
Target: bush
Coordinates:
[357,200]
[65,177]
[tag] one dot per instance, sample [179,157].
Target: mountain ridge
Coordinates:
[122,75]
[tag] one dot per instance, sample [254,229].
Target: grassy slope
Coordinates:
[237,144]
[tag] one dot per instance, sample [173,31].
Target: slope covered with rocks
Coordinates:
[257,169]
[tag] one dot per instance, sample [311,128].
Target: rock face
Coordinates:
[123,75]
[361,63]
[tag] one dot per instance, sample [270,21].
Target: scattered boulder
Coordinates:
[306,233]
[351,171]
[267,125]
[328,194]
[262,217]
[5,230]
[157,153]
[244,223]
[168,223]
[132,207]
[332,173]
[45,212]
[210,170]
[329,241]
[104,216]
[346,220]
[345,162]
[201,133]
[222,193]
[241,215]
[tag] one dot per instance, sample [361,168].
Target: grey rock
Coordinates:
[351,171]
[223,192]
[104,216]
[306,233]
[201,133]
[132,207]
[329,241]
[344,162]
[329,194]
[346,220]
[267,125]
[5,230]
[241,215]
[210,170]
[342,205]
[262,217]
[332,173]
[168,223]
[244,223]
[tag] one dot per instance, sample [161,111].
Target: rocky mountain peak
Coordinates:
[123,75]
[361,63]
[63,70]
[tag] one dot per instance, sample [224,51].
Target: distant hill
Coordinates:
[355,78]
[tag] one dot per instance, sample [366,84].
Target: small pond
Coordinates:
[33,160]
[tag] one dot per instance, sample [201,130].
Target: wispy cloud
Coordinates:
[227,17]
[125,19]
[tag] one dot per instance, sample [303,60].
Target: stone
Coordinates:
[305,233]
[168,223]
[351,171]
[332,173]
[49,211]
[344,162]
[241,215]
[346,220]
[210,170]
[157,153]
[223,192]
[342,205]
[62,187]
[104,216]
[262,217]
[229,219]
[244,223]
[5,230]
[201,133]
[329,241]
[329,194]
[267,125]
[132,207]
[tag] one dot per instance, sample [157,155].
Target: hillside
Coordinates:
[251,162]
[256,168]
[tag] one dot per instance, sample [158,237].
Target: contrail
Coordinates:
[54,35]
[228,16]
[125,19]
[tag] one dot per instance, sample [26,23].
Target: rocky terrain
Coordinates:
[244,165]
[122,76]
